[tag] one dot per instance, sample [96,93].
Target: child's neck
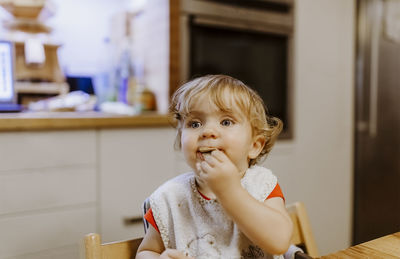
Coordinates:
[205,190]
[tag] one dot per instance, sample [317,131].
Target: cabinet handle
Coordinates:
[132,220]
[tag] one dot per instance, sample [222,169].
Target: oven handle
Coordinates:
[280,29]
[232,13]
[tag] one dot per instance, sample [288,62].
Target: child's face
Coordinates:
[207,126]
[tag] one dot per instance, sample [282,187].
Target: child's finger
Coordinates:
[198,167]
[219,155]
[205,167]
[200,171]
[212,161]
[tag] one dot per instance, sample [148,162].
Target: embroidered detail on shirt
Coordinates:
[203,247]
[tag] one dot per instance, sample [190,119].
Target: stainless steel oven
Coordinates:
[251,40]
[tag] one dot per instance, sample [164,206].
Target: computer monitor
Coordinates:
[7,90]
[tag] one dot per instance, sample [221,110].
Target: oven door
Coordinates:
[257,52]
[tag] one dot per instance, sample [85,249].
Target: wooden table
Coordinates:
[386,247]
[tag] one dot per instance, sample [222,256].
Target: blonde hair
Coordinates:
[216,87]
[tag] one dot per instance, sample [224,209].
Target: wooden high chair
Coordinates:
[125,249]
[94,249]
[302,237]
[302,234]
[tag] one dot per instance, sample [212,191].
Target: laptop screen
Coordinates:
[6,72]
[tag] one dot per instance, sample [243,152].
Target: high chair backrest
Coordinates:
[302,234]
[94,249]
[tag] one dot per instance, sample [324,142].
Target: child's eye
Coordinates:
[194,124]
[226,122]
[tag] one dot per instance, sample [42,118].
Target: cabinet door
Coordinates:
[48,194]
[45,149]
[132,164]
[41,234]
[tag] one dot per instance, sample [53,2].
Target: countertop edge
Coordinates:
[76,121]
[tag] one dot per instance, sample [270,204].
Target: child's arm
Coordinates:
[266,224]
[153,247]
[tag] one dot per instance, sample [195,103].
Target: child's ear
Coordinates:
[257,146]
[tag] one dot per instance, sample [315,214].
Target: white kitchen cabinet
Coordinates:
[45,149]
[57,186]
[32,234]
[48,192]
[132,164]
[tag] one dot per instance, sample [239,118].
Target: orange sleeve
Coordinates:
[150,218]
[276,192]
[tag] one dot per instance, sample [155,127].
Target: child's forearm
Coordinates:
[270,227]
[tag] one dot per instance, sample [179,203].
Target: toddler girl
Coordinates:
[228,207]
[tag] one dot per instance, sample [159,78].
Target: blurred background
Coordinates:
[328,69]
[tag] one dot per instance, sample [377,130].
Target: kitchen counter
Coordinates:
[28,121]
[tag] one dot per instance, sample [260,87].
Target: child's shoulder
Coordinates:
[259,182]
[259,171]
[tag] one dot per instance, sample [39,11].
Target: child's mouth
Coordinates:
[204,151]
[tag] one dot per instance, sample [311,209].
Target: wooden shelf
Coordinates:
[41,88]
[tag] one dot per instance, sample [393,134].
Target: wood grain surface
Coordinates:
[78,120]
[386,247]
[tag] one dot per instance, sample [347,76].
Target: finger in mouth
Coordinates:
[204,151]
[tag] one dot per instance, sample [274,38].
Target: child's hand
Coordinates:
[218,172]
[173,254]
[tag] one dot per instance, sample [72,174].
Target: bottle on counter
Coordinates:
[104,77]
[145,100]
[131,91]
[126,81]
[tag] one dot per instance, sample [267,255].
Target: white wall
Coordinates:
[316,166]
[82,27]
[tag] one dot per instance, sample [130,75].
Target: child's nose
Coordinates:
[209,132]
